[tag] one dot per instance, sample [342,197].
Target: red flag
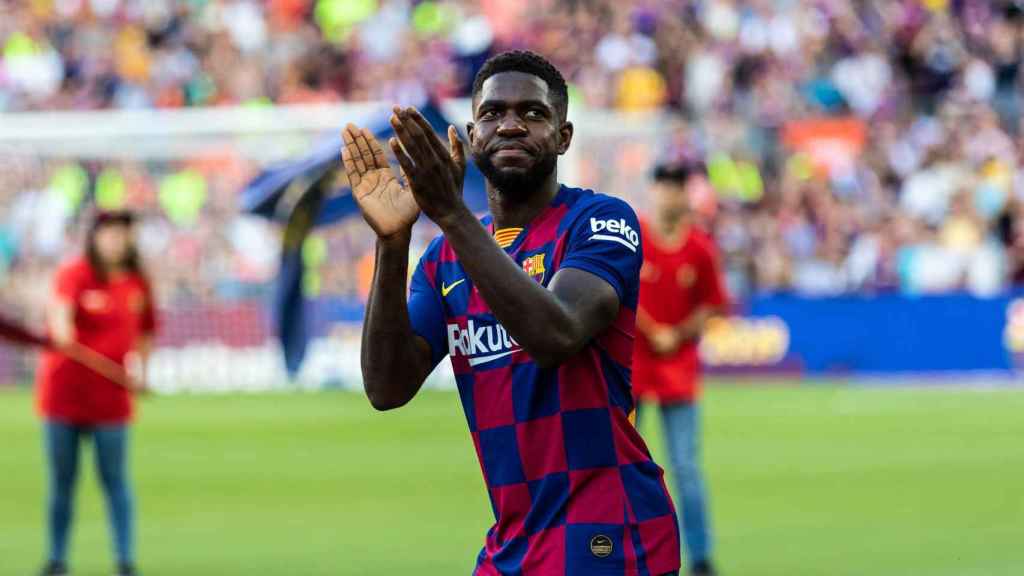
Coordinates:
[14,332]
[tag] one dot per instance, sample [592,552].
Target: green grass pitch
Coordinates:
[805,480]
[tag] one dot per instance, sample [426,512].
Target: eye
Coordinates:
[488,115]
[534,114]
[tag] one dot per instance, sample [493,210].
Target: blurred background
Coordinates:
[854,149]
[866,190]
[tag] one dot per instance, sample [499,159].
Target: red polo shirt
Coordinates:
[110,317]
[674,281]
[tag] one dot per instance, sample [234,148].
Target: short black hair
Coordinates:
[678,172]
[528,63]
[122,217]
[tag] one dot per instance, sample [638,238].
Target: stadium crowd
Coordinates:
[922,192]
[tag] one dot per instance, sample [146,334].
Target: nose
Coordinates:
[511,125]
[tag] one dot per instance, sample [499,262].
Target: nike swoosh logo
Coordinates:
[622,241]
[492,357]
[446,289]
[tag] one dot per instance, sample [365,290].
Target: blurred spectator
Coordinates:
[924,195]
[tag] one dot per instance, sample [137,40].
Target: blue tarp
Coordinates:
[262,196]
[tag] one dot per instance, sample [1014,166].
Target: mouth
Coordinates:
[514,153]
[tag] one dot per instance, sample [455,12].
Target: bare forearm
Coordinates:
[394,366]
[62,323]
[693,326]
[533,315]
[144,347]
[645,324]
[143,350]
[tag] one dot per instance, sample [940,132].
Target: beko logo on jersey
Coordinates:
[481,343]
[617,231]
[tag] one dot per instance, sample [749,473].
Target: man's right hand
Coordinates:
[387,205]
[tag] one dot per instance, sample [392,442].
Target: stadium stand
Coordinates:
[869,147]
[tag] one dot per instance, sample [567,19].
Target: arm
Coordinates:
[60,313]
[138,363]
[395,360]
[664,339]
[551,324]
[714,298]
[61,321]
[712,302]
[645,324]
[692,327]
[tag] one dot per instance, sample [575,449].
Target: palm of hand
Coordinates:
[387,205]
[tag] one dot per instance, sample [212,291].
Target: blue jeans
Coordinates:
[681,424]
[110,444]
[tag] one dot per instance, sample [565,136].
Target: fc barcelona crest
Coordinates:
[534,267]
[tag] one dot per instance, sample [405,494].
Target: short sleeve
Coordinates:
[710,281]
[605,241]
[67,283]
[149,313]
[426,312]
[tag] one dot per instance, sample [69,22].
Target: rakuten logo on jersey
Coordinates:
[481,343]
[615,231]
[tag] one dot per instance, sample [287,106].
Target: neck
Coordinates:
[516,212]
[113,270]
[672,226]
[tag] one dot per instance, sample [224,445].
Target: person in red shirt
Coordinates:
[680,289]
[101,301]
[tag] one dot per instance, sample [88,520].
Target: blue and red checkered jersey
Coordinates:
[573,486]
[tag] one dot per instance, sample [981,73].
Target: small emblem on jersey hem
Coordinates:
[601,546]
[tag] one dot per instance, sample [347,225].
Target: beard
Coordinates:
[515,183]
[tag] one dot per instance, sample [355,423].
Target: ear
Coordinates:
[565,133]
[470,133]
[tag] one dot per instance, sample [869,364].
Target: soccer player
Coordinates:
[102,301]
[535,307]
[680,288]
